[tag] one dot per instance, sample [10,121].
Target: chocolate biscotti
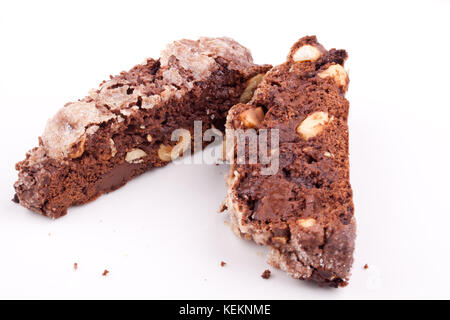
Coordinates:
[122,129]
[303,210]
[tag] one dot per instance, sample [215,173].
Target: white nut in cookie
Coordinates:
[149,138]
[251,118]
[113,147]
[306,223]
[164,152]
[306,53]
[77,149]
[252,84]
[280,240]
[135,156]
[312,125]
[337,72]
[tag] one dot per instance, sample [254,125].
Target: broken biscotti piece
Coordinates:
[304,210]
[95,145]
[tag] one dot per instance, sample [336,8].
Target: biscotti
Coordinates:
[123,128]
[303,211]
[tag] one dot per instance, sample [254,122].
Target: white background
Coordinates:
[161,235]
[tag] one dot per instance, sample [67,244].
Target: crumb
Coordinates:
[223,207]
[266,274]
[105,273]
[225,223]
[259,253]
[15,199]
[75,266]
[223,263]
[366,266]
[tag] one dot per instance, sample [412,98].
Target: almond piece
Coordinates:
[251,118]
[164,152]
[306,223]
[135,156]
[252,84]
[281,240]
[313,124]
[337,72]
[306,53]
[113,147]
[77,149]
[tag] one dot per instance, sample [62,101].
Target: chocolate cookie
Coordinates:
[303,210]
[122,129]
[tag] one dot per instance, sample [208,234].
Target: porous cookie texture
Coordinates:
[123,128]
[304,211]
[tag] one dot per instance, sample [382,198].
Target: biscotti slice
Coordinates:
[303,211]
[122,129]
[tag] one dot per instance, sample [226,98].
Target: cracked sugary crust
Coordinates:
[83,150]
[312,183]
[69,125]
[198,56]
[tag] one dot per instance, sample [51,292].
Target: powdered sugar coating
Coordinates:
[198,56]
[114,94]
[69,125]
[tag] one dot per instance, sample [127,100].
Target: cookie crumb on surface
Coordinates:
[223,263]
[75,266]
[223,207]
[105,273]
[266,274]
[366,266]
